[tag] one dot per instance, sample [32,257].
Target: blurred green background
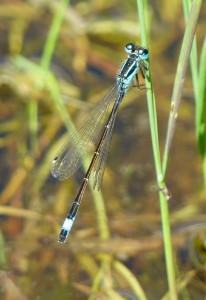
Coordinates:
[87,55]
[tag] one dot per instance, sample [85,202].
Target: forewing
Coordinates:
[83,141]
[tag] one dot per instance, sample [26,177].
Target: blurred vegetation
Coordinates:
[39,93]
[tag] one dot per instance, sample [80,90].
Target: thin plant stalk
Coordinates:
[180,76]
[53,34]
[134,284]
[201,110]
[198,80]
[193,55]
[157,159]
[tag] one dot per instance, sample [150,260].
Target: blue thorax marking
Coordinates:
[127,73]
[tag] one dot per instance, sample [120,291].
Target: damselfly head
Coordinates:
[143,53]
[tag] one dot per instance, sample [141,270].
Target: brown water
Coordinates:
[33,204]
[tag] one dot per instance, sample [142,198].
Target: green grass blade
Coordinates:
[201,109]
[180,76]
[160,180]
[53,34]
[193,54]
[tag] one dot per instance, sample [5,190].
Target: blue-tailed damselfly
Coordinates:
[93,133]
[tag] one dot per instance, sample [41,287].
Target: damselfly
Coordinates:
[96,133]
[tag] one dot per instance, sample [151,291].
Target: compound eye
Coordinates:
[143,53]
[130,47]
